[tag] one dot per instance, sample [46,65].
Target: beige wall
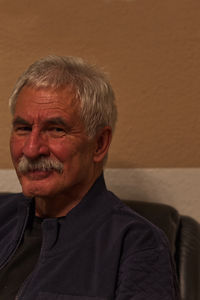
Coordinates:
[150,48]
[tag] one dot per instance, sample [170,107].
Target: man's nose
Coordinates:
[35,145]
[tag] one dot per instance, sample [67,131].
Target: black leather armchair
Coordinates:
[183,233]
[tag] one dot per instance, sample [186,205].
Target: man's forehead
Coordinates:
[39,99]
[65,94]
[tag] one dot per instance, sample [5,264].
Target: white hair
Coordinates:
[90,85]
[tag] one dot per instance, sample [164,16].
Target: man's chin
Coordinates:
[34,192]
[36,185]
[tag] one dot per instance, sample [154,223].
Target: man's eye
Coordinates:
[22,129]
[56,131]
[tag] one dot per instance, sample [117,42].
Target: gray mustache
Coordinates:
[40,164]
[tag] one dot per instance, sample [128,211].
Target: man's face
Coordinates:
[47,124]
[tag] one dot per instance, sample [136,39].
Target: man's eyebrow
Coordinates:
[56,121]
[19,120]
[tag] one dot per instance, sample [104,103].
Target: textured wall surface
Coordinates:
[151,50]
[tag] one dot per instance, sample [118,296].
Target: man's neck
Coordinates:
[59,205]
[53,208]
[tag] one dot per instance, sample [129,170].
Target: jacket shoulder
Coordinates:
[136,227]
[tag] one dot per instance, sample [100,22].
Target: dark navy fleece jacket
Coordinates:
[100,250]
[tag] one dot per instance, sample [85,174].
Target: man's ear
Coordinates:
[103,140]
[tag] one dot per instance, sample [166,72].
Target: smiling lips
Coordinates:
[38,174]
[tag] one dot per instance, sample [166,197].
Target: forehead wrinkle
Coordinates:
[48,103]
[51,93]
[49,96]
[52,115]
[62,105]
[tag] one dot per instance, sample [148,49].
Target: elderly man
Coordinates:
[66,236]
